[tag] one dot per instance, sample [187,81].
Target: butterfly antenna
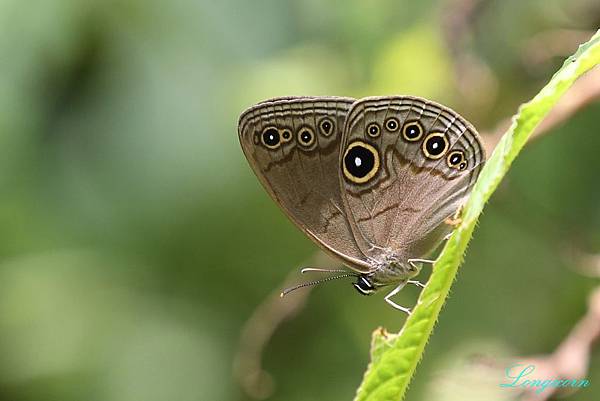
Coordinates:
[311,283]
[320,270]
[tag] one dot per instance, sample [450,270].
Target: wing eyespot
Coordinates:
[306,137]
[392,124]
[270,138]
[435,145]
[326,126]
[456,160]
[360,162]
[412,131]
[286,135]
[373,130]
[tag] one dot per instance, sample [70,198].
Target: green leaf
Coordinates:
[394,357]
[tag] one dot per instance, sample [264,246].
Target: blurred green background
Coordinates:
[136,242]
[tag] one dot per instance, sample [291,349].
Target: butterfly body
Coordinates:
[390,268]
[371,181]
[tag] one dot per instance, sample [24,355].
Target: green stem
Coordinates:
[394,357]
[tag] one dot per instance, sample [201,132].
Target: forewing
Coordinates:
[425,161]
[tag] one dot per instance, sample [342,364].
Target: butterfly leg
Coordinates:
[455,219]
[392,303]
[417,283]
[414,265]
[454,222]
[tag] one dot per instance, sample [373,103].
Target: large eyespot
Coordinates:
[455,158]
[373,130]
[435,145]
[270,138]
[361,162]
[286,135]
[412,131]
[306,137]
[326,126]
[392,124]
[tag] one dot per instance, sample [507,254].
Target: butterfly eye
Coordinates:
[364,285]
[435,145]
[306,137]
[373,130]
[286,135]
[361,162]
[412,131]
[270,138]
[392,124]
[455,159]
[326,126]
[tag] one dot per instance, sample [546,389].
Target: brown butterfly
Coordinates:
[371,181]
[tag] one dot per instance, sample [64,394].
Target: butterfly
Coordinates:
[371,181]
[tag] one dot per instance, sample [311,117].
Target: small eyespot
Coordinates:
[326,126]
[306,137]
[412,131]
[455,158]
[270,138]
[391,124]
[286,135]
[361,162]
[373,130]
[435,145]
[462,166]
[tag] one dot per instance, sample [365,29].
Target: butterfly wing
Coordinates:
[407,165]
[293,146]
